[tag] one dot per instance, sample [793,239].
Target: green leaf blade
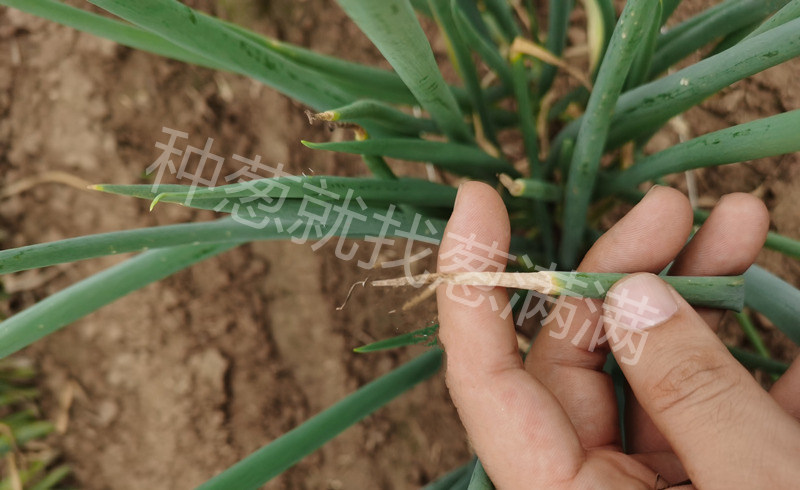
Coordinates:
[406,190]
[557,26]
[480,480]
[120,32]
[426,335]
[450,480]
[644,56]
[127,241]
[444,17]
[238,228]
[788,13]
[595,125]
[774,298]
[393,27]
[644,109]
[202,34]
[770,136]
[88,295]
[751,360]
[454,157]
[719,21]
[480,44]
[287,450]
[383,114]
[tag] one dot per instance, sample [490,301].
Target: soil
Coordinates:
[183,378]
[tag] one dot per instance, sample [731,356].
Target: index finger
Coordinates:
[507,413]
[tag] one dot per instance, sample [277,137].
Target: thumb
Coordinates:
[726,430]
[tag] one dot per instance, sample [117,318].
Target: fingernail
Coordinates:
[639,302]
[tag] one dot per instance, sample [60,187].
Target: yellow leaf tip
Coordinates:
[156,200]
[515,187]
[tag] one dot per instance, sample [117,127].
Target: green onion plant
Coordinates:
[21,423]
[582,141]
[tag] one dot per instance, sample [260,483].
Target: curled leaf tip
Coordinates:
[327,116]
[514,187]
[156,199]
[361,134]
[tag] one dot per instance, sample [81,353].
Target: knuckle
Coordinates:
[698,380]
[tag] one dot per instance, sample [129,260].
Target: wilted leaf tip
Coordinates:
[156,199]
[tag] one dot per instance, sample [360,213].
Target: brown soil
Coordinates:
[183,378]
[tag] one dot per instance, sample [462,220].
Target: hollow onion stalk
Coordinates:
[726,292]
[596,123]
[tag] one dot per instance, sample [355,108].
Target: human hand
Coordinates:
[551,422]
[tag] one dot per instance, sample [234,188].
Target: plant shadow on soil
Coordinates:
[185,377]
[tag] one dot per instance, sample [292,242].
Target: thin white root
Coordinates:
[350,293]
